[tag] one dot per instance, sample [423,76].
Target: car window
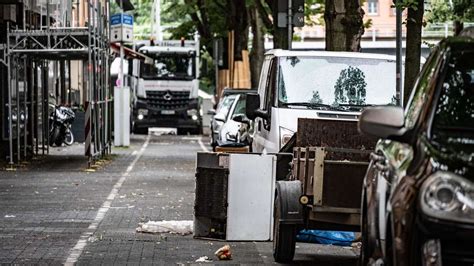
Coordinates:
[263,80]
[224,106]
[270,85]
[240,106]
[453,121]
[419,95]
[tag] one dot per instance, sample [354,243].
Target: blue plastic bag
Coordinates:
[338,238]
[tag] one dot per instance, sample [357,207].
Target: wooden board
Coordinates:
[233,149]
[230,52]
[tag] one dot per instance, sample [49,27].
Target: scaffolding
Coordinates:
[36,51]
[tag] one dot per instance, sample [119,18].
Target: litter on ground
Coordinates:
[173,227]
[224,253]
[204,259]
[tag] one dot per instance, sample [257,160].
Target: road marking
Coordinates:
[191,138]
[203,147]
[77,250]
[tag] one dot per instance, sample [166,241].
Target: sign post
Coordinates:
[290,14]
[121,26]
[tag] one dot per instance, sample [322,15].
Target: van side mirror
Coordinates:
[241,119]
[252,104]
[385,122]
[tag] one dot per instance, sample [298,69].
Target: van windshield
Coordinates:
[335,82]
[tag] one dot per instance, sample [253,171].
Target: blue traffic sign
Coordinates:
[121,18]
[127,19]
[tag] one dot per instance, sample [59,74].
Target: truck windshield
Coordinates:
[172,66]
[335,82]
[453,122]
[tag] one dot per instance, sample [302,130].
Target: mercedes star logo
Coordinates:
[168,96]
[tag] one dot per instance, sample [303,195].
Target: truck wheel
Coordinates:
[182,131]
[284,235]
[140,130]
[196,131]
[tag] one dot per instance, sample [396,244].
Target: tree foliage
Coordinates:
[457,10]
[350,87]
[316,99]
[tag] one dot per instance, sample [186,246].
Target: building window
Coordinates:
[372,7]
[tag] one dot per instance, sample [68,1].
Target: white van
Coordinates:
[316,84]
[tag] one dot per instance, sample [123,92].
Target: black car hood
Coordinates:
[459,163]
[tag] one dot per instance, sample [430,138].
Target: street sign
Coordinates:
[297,11]
[121,18]
[121,28]
[298,6]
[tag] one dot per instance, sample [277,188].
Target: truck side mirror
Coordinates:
[252,104]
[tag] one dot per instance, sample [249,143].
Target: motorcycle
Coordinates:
[60,120]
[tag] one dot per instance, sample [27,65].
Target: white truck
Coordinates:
[165,90]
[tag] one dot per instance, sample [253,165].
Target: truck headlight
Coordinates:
[143,112]
[193,113]
[285,135]
[448,196]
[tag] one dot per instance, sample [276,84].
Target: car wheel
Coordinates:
[284,236]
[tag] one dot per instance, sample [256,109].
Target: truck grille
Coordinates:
[167,100]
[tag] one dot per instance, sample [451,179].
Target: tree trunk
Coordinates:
[258,49]
[458,26]
[239,24]
[344,25]
[280,35]
[413,48]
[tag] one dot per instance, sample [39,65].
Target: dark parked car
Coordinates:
[418,194]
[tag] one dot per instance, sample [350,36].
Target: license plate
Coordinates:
[167,112]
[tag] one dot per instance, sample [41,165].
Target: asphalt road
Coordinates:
[52,211]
